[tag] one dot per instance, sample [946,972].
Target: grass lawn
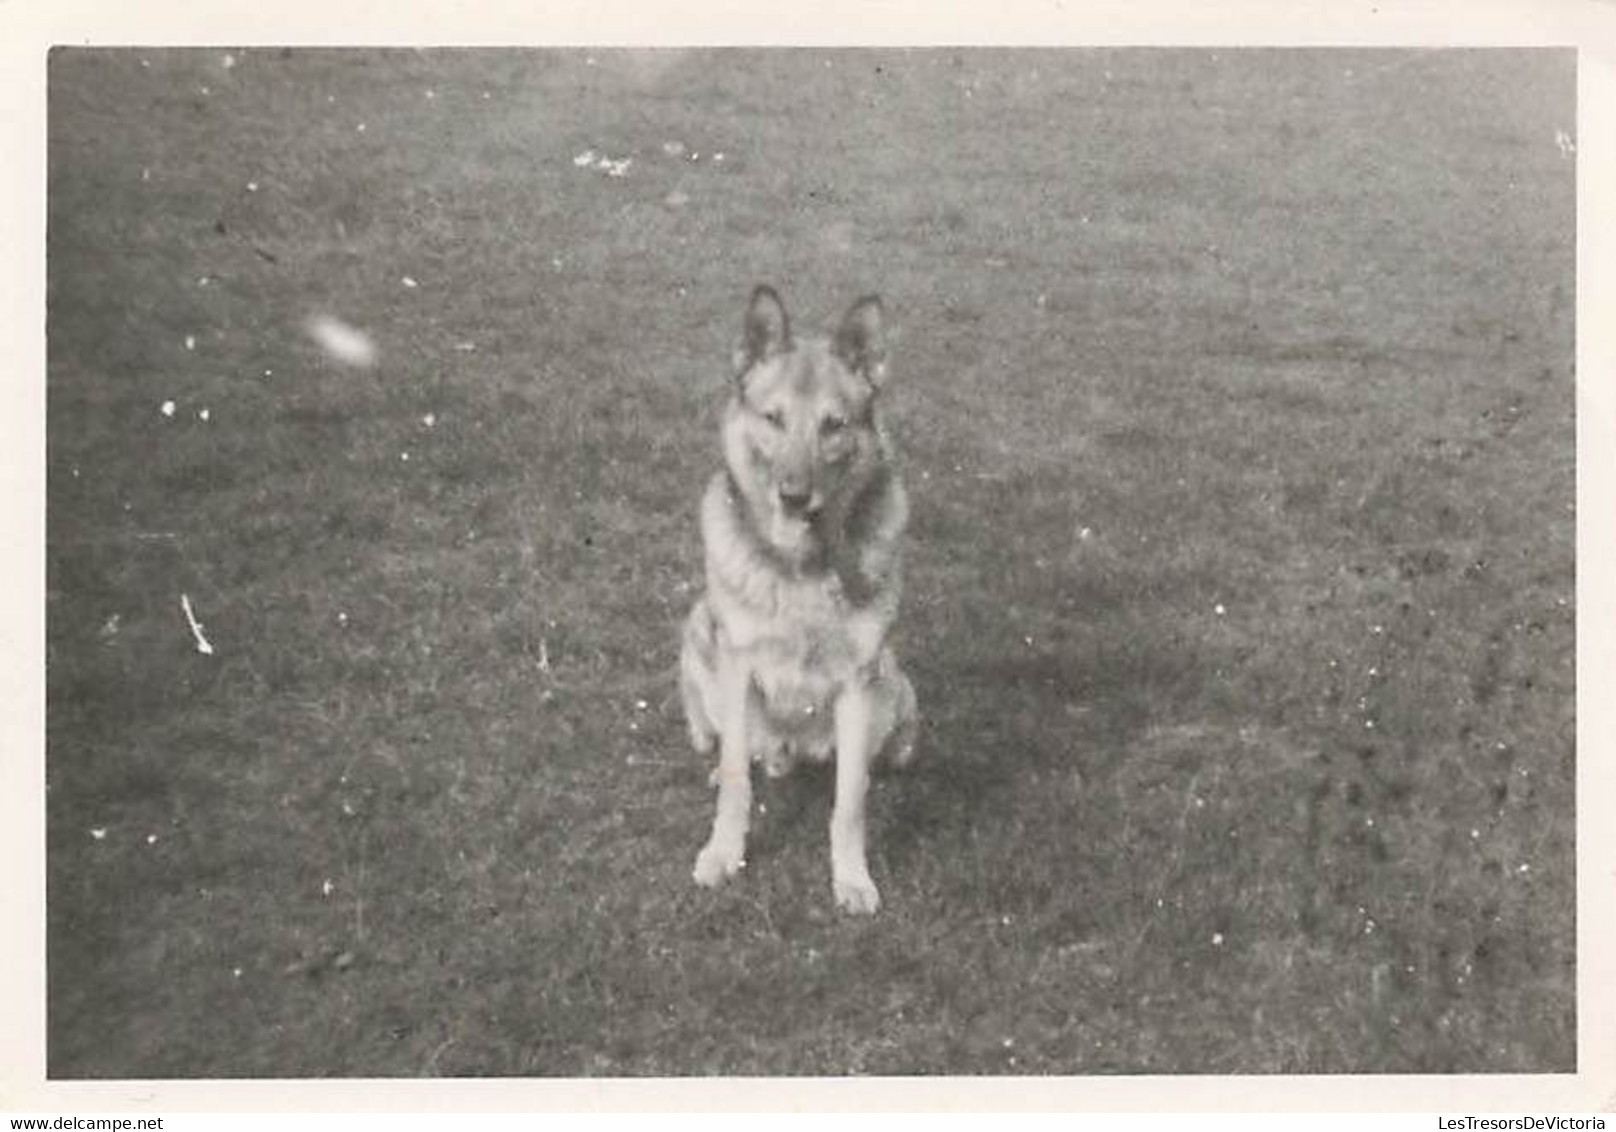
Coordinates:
[1235,397]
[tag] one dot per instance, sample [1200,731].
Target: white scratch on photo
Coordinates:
[202,645]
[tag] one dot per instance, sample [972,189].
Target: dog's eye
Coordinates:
[776,418]
[832,425]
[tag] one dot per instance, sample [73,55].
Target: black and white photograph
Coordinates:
[766,561]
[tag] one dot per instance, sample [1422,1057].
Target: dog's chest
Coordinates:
[813,643]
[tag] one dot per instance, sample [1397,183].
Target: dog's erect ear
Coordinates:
[861,340]
[767,330]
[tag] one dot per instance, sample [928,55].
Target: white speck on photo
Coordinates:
[167,408]
[341,342]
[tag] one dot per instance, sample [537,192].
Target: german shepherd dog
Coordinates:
[786,656]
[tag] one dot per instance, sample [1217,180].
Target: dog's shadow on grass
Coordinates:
[998,714]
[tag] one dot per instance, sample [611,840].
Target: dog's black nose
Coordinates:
[795,502]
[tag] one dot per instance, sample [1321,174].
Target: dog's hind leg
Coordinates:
[900,744]
[697,678]
[898,718]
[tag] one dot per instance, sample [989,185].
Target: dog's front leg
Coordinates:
[850,873]
[725,852]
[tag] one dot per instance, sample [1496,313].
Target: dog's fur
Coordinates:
[786,653]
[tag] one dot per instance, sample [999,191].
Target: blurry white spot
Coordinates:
[673,148]
[429,420]
[1200,803]
[205,90]
[145,174]
[466,347]
[342,342]
[1028,640]
[431,93]
[1563,140]
[190,341]
[1009,1043]
[228,61]
[641,704]
[409,282]
[202,414]
[486,96]
[1474,834]
[203,281]
[151,839]
[1217,939]
[99,834]
[252,186]
[1218,609]
[268,372]
[202,645]
[1369,723]
[327,888]
[544,655]
[1374,670]
[1004,920]
[235,972]
[617,168]
[347,809]
[587,157]
[167,409]
[342,618]
[1524,869]
[145,62]
[718,157]
[405,456]
[360,127]
[330,98]
[1377,629]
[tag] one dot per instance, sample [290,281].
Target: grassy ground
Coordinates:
[1235,395]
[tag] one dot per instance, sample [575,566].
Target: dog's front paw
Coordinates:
[717,862]
[856,893]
